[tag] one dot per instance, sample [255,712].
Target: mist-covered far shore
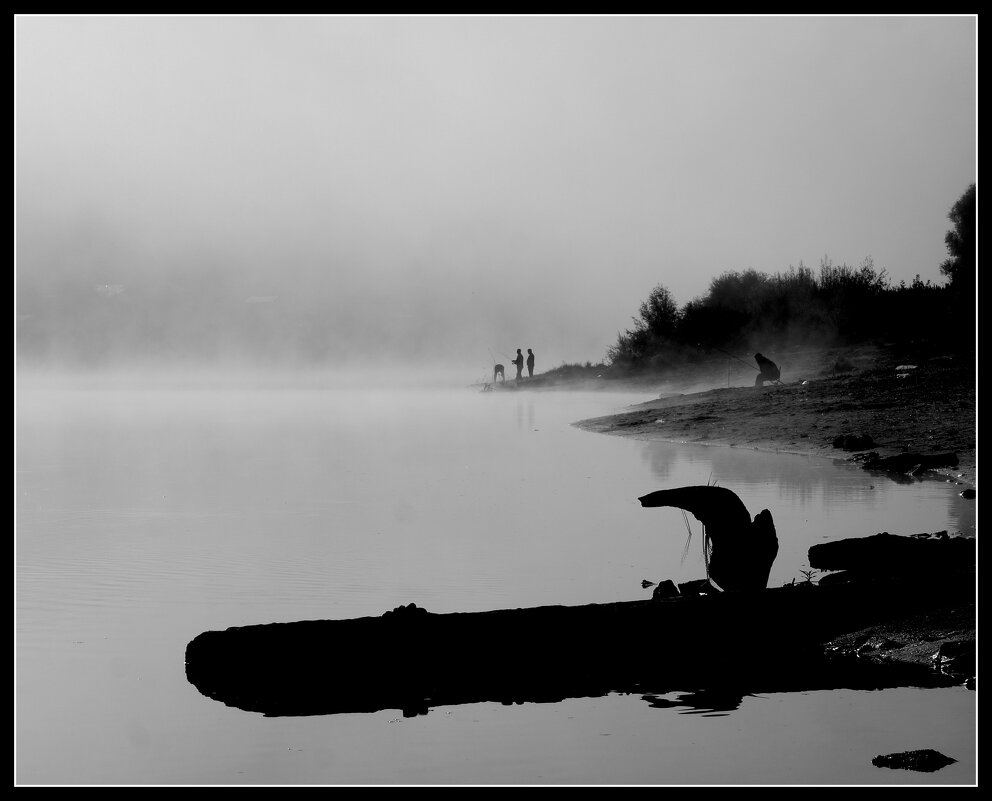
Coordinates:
[232,376]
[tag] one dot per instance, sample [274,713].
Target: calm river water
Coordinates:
[144,517]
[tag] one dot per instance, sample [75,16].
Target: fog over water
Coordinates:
[375,190]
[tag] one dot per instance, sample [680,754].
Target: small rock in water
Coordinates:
[925,759]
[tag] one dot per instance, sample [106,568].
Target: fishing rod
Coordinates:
[731,355]
[501,354]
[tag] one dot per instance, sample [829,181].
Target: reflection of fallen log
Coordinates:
[762,641]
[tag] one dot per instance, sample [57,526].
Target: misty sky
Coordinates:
[443,187]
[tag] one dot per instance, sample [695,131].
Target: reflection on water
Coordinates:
[146,517]
[710,703]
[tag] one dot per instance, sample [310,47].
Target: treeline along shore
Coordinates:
[748,311]
[879,373]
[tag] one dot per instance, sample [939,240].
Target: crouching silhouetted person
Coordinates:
[768,370]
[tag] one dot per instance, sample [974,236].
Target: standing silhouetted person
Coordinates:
[768,370]
[530,363]
[519,364]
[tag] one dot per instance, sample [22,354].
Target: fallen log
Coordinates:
[410,659]
[887,554]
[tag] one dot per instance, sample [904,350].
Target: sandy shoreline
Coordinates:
[928,409]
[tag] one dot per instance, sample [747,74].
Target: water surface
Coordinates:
[145,517]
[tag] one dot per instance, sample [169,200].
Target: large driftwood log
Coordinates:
[410,659]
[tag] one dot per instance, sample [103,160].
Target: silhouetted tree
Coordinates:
[653,332]
[960,240]
[660,313]
[703,324]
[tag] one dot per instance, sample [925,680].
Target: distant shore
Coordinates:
[923,403]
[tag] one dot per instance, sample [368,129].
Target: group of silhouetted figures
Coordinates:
[517,362]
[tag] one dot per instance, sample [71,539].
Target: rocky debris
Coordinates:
[854,442]
[968,494]
[877,644]
[941,640]
[925,760]
[955,657]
